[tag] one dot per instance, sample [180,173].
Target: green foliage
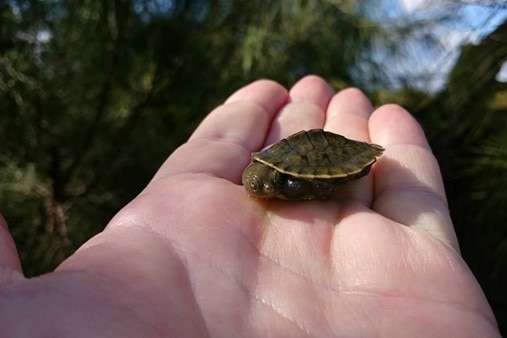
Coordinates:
[96,94]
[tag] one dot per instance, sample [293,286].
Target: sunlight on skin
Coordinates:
[194,255]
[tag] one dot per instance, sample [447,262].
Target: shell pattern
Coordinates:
[319,154]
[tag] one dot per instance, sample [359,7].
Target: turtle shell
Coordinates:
[319,154]
[308,165]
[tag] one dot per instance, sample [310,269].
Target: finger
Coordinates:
[222,144]
[348,115]
[309,98]
[9,259]
[246,114]
[408,183]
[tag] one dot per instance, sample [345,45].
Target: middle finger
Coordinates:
[347,115]
[309,98]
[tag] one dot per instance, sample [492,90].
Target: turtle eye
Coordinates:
[254,184]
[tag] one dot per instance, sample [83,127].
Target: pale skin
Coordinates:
[194,256]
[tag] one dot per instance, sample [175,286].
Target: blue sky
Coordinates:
[467,22]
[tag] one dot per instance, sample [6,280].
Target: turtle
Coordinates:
[308,165]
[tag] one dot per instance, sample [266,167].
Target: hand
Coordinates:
[193,255]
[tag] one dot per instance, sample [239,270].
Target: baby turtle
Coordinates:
[308,165]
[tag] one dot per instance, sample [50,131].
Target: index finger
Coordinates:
[408,183]
[222,143]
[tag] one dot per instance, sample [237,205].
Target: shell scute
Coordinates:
[319,154]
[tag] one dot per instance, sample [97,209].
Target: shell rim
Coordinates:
[313,176]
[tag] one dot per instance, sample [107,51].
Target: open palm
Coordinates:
[193,255]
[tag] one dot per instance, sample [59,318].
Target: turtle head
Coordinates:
[260,180]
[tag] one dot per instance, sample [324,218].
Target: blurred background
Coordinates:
[94,95]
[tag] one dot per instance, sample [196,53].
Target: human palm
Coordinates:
[193,255]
